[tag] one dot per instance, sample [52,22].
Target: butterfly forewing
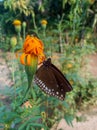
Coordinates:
[51,80]
[63,83]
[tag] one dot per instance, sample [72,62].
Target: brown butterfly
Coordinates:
[51,80]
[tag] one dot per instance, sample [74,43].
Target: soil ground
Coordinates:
[91,115]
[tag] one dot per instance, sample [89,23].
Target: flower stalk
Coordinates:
[17,25]
[34,23]
[24,30]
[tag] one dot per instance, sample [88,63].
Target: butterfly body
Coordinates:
[50,79]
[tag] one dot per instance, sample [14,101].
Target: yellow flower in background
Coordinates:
[43,22]
[44,115]
[16,22]
[69,66]
[17,25]
[91,1]
[32,50]
[71,82]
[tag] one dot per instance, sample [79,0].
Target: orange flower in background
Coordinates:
[16,22]
[32,49]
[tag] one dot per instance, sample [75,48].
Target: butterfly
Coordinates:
[51,80]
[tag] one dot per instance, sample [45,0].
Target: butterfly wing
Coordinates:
[63,83]
[46,80]
[51,80]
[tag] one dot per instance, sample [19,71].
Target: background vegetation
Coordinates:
[69,36]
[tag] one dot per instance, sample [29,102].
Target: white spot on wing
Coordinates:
[57,93]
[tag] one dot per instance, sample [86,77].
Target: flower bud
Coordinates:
[44,24]
[17,24]
[18,28]
[24,24]
[13,41]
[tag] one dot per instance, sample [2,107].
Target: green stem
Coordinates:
[18,36]
[44,34]
[35,27]
[13,78]
[13,75]
[24,33]
[18,39]
[30,91]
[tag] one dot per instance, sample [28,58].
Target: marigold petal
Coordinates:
[27,41]
[37,51]
[39,41]
[23,58]
[28,49]
[17,22]
[27,37]
[29,59]
[17,53]
[43,21]
[41,58]
[35,48]
[33,44]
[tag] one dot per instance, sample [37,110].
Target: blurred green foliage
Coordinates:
[69,21]
[74,63]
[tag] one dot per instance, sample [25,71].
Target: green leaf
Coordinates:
[69,119]
[35,118]
[30,127]
[36,124]
[22,127]
[65,104]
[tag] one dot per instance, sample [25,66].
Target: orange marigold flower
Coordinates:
[44,22]
[32,49]
[17,22]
